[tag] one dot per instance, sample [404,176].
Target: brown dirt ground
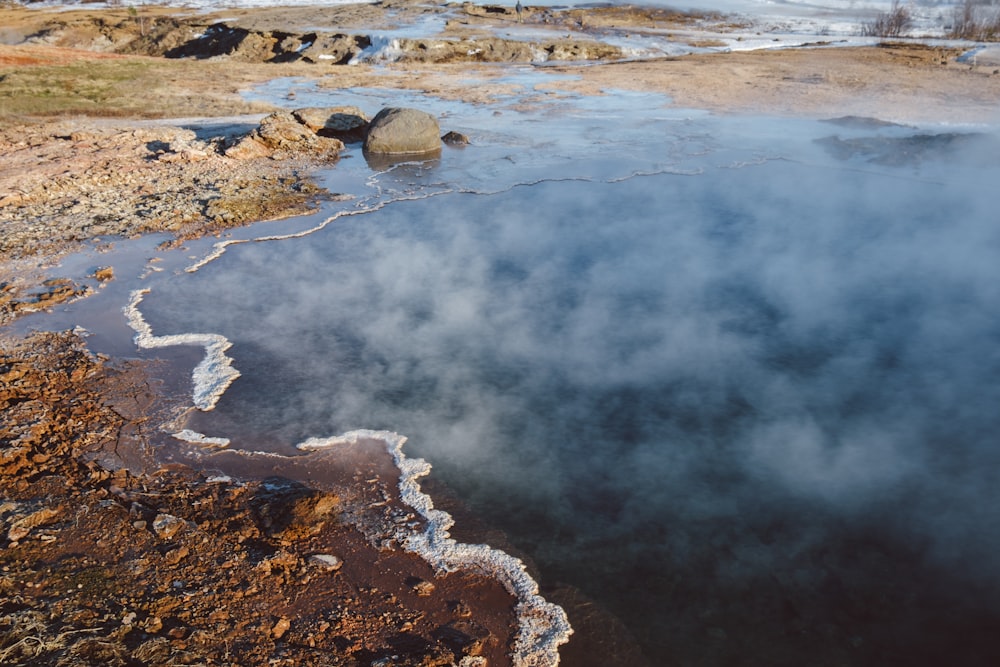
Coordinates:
[100,565]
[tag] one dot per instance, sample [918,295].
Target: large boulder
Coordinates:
[402,131]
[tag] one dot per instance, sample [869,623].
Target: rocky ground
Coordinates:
[109,557]
[144,565]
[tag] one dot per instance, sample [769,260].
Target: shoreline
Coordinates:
[166,564]
[45,494]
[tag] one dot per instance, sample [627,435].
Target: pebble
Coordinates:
[280,628]
[423,588]
[327,561]
[166,525]
[175,556]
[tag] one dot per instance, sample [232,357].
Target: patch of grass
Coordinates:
[83,87]
[705,43]
[93,582]
[120,87]
[892,23]
[975,21]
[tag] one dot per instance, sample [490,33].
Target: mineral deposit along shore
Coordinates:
[685,325]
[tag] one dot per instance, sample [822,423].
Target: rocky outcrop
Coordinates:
[72,183]
[175,37]
[235,43]
[283,133]
[495,49]
[348,124]
[334,49]
[242,44]
[402,131]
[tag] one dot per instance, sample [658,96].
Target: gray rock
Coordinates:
[455,139]
[402,131]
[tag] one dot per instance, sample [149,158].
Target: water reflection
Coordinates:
[412,163]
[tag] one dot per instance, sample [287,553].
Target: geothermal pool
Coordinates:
[737,379]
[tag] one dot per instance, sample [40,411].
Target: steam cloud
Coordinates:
[786,372]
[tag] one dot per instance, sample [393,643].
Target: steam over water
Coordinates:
[749,401]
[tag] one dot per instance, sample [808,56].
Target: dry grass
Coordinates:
[48,81]
[25,636]
[975,21]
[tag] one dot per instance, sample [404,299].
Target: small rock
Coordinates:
[283,132]
[280,628]
[463,637]
[460,609]
[166,526]
[153,624]
[175,556]
[422,588]
[455,139]
[327,561]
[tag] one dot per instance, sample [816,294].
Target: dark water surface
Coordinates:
[740,387]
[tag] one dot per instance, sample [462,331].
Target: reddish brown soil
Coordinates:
[99,565]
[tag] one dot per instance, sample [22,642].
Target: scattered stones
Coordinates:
[153,652]
[400,130]
[22,527]
[120,180]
